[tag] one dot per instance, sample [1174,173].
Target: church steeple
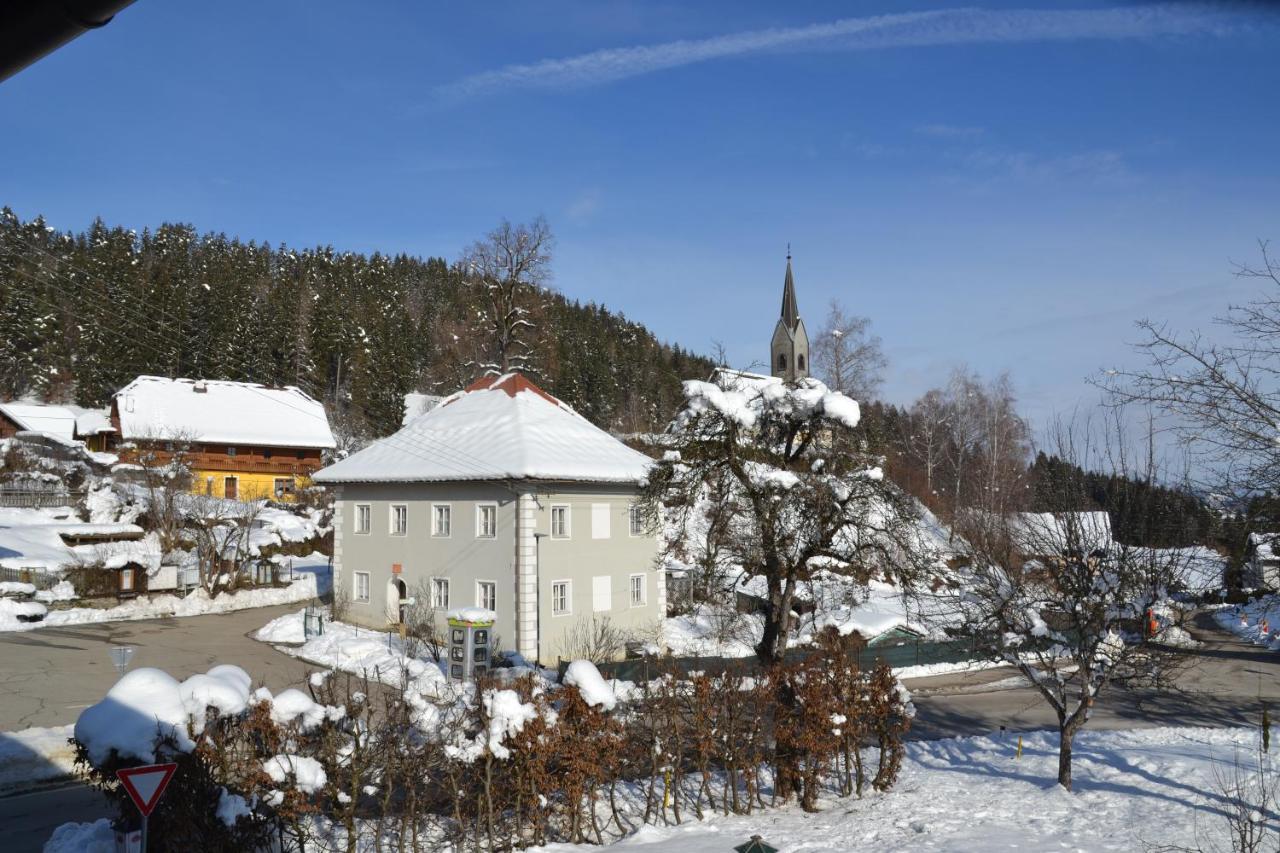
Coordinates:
[789,352]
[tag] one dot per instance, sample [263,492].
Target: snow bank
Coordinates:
[583,675]
[17,588]
[1257,622]
[35,755]
[148,702]
[197,603]
[13,612]
[293,705]
[96,837]
[300,771]
[472,614]
[360,651]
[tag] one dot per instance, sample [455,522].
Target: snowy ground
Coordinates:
[35,755]
[310,574]
[1248,621]
[347,648]
[1134,790]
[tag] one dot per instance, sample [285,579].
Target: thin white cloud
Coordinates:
[951,131]
[909,29]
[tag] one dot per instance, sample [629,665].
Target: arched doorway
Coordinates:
[397,600]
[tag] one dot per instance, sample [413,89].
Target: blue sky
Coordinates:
[1008,186]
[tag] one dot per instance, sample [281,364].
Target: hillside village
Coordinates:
[347,506]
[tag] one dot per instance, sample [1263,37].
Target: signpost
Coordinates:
[145,785]
[120,657]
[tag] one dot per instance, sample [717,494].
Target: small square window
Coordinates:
[231,451]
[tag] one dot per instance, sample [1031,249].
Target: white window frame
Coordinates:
[635,518]
[391,520]
[567,533]
[480,602]
[364,512]
[356,578]
[644,589]
[480,508]
[568,597]
[438,584]
[435,526]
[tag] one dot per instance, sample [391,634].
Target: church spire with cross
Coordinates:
[789,352]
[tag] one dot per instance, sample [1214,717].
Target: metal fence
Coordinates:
[40,580]
[35,498]
[895,654]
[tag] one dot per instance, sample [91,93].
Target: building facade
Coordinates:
[503,498]
[240,440]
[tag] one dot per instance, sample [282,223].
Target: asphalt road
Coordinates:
[1222,684]
[48,676]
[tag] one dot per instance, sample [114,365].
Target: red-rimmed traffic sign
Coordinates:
[146,784]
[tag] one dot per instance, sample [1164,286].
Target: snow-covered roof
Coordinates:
[57,421]
[499,428]
[1264,545]
[91,421]
[741,380]
[1058,532]
[417,403]
[235,413]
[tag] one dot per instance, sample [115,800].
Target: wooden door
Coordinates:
[229,488]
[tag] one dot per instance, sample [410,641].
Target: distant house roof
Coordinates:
[1047,533]
[741,380]
[244,413]
[58,421]
[416,403]
[499,428]
[91,422]
[1264,546]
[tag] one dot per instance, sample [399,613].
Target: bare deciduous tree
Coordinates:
[1055,596]
[508,270]
[848,357]
[1222,398]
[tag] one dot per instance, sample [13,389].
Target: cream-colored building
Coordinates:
[500,497]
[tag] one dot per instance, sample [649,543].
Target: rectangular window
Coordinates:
[364,514]
[361,586]
[440,593]
[487,521]
[602,593]
[487,595]
[442,519]
[561,598]
[126,580]
[399,519]
[636,516]
[638,591]
[283,487]
[560,522]
[231,451]
[599,521]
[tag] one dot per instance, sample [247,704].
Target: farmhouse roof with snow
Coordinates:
[220,412]
[57,421]
[499,428]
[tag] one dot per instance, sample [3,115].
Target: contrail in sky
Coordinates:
[909,29]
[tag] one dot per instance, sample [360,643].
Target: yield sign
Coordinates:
[146,784]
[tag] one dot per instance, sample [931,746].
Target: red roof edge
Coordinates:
[511,383]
